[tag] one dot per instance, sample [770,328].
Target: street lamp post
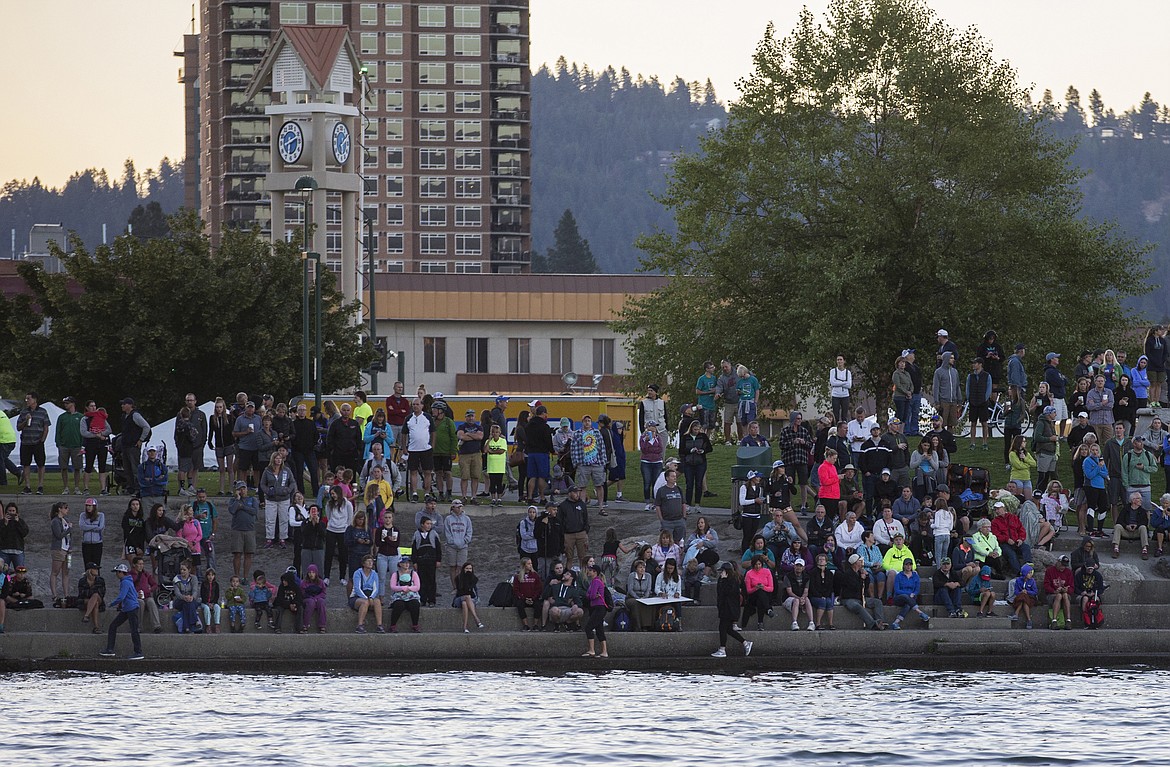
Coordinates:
[373,300]
[306,186]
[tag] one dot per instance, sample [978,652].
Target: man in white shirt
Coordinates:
[858,432]
[421,463]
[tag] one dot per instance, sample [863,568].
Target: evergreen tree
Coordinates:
[1096,107]
[570,254]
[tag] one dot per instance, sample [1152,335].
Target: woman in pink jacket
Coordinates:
[758,584]
[191,530]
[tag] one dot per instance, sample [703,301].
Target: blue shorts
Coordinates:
[822,603]
[538,466]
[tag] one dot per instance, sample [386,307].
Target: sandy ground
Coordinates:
[493,549]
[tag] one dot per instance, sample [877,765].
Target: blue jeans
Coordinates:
[949,598]
[908,604]
[942,549]
[14,559]
[650,472]
[911,429]
[870,612]
[1015,557]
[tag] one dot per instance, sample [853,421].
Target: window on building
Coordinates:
[369,14]
[468,159]
[519,357]
[370,212]
[468,187]
[603,355]
[434,355]
[467,45]
[467,17]
[370,184]
[393,14]
[395,156]
[369,43]
[370,129]
[394,43]
[396,267]
[468,245]
[432,130]
[561,353]
[468,130]
[333,214]
[433,245]
[395,215]
[395,243]
[477,355]
[432,215]
[371,100]
[432,45]
[432,101]
[433,267]
[294,13]
[394,130]
[468,74]
[432,159]
[432,186]
[394,101]
[393,71]
[332,242]
[432,74]
[432,16]
[329,13]
[468,267]
[468,103]
[394,186]
[468,215]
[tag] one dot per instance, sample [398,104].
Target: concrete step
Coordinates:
[703,618]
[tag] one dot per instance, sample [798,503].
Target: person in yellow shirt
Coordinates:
[378,481]
[497,464]
[898,553]
[363,412]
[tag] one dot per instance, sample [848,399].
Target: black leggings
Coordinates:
[1099,502]
[749,526]
[335,544]
[400,606]
[594,626]
[496,484]
[757,602]
[726,630]
[95,450]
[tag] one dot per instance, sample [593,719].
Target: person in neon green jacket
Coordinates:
[898,553]
[986,546]
[7,445]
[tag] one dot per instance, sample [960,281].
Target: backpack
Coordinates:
[622,620]
[1092,615]
[668,620]
[608,599]
[502,595]
[737,519]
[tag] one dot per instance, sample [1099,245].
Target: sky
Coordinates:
[89,84]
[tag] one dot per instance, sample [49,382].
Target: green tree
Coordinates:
[148,221]
[157,318]
[570,253]
[881,177]
[1096,107]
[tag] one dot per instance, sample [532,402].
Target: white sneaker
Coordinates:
[619,497]
[735,627]
[720,653]
[795,626]
[747,648]
[812,627]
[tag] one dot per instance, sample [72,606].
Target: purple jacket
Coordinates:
[652,450]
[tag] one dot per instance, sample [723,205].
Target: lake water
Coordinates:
[886,718]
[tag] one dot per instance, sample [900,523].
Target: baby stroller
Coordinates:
[969,484]
[168,567]
[119,475]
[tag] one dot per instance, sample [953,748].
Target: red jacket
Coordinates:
[145,582]
[397,410]
[527,587]
[1007,526]
[1053,577]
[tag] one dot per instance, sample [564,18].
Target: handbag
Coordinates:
[517,458]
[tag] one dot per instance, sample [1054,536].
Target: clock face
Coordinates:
[341,143]
[290,142]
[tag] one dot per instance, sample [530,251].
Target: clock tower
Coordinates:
[314,72]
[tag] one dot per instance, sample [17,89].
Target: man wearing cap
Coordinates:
[153,476]
[899,447]
[589,456]
[539,438]
[796,443]
[1012,537]
[470,434]
[1057,387]
[457,535]
[948,398]
[948,589]
[1132,522]
[1016,374]
[1076,435]
[894,557]
[852,585]
[1058,586]
[127,606]
[654,408]
[838,441]
[945,346]
[247,430]
[1045,441]
[67,436]
[875,456]
[574,517]
[986,546]
[446,447]
[1139,466]
[963,560]
[135,432]
[979,399]
[550,539]
[243,509]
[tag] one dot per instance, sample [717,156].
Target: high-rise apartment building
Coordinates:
[446,139]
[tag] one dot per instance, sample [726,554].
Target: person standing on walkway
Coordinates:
[727,601]
[33,425]
[127,605]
